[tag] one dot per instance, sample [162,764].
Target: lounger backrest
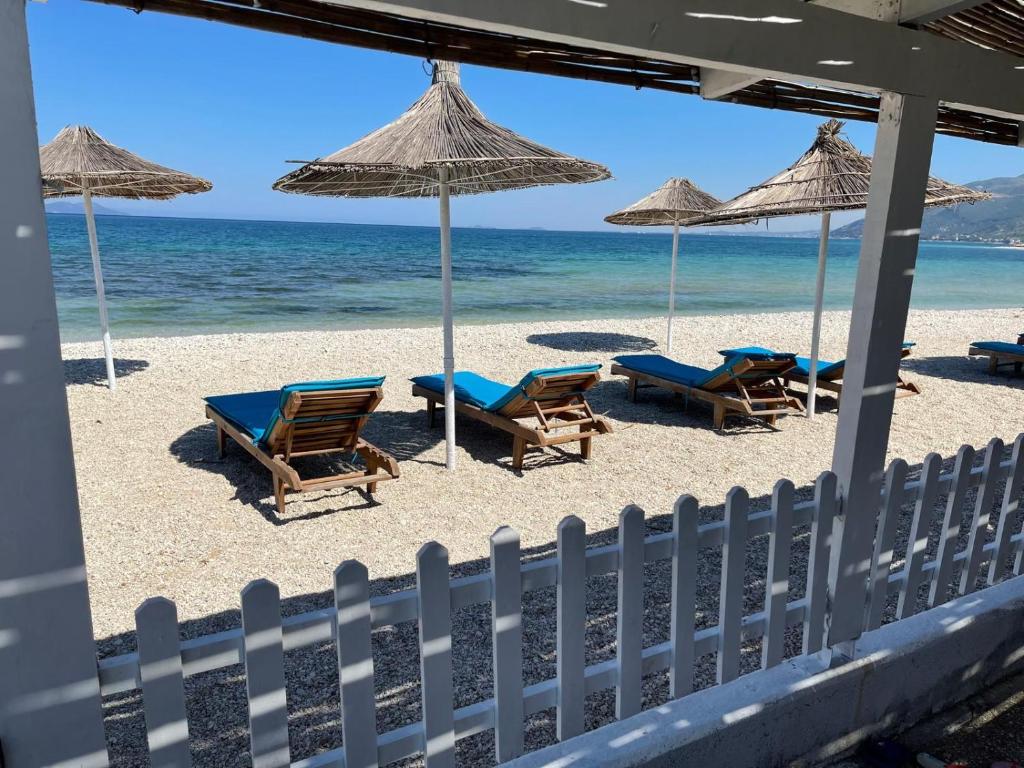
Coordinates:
[746,370]
[550,387]
[323,416]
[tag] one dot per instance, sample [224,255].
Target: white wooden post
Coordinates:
[629,624]
[776,586]
[436,685]
[264,675]
[448,320]
[163,683]
[685,551]
[355,665]
[49,693]
[892,226]
[819,306]
[101,292]
[507,643]
[730,602]
[571,607]
[672,285]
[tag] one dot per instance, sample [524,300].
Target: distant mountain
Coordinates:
[1000,219]
[70,206]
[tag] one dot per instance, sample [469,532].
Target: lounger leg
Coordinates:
[993,364]
[719,416]
[279,494]
[371,469]
[221,442]
[633,382]
[1017,367]
[586,445]
[431,413]
[518,451]
[771,420]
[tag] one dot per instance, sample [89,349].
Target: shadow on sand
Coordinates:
[971,370]
[93,370]
[588,341]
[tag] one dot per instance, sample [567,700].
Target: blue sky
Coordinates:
[232,105]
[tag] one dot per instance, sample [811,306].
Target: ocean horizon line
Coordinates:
[639,230]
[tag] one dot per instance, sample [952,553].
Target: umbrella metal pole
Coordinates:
[672,283]
[446,310]
[819,301]
[101,298]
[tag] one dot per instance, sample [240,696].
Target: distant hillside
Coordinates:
[1000,219]
[70,206]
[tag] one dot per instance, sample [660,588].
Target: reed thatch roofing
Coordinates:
[830,176]
[443,129]
[676,200]
[79,157]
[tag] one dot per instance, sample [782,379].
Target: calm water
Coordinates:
[185,276]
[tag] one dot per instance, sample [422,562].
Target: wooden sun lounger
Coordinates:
[1001,358]
[315,422]
[753,389]
[556,403]
[834,383]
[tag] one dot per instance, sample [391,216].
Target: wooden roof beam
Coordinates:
[920,12]
[718,83]
[770,39]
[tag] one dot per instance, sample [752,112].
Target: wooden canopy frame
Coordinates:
[765,397]
[315,423]
[557,403]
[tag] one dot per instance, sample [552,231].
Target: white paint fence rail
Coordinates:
[162,662]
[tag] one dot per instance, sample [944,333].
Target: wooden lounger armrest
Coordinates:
[382,458]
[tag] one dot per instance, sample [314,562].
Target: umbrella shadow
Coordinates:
[197,448]
[589,341]
[93,370]
[963,369]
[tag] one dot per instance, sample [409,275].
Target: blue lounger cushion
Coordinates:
[687,375]
[826,369]
[490,395]
[1005,347]
[256,413]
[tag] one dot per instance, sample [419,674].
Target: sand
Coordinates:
[162,515]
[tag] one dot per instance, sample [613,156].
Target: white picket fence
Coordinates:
[162,662]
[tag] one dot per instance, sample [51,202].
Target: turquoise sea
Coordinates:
[168,276]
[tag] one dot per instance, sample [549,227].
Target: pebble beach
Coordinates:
[163,515]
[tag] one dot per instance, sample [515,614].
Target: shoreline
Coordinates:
[681,317]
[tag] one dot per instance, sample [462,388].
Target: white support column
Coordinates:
[892,225]
[49,691]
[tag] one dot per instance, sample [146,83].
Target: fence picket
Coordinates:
[730,606]
[630,620]
[355,665]
[939,590]
[507,643]
[1008,512]
[817,562]
[917,542]
[264,675]
[572,619]
[885,537]
[163,683]
[776,588]
[433,591]
[982,511]
[684,595]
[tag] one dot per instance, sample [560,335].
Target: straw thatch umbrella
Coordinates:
[81,162]
[442,145]
[673,202]
[830,176]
